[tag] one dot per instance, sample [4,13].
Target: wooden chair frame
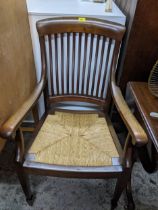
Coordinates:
[136,135]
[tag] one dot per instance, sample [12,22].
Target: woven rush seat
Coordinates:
[72,139]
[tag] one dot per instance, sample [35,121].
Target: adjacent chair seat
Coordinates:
[71,139]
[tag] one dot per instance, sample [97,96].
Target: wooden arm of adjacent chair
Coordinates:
[138,134]
[8,128]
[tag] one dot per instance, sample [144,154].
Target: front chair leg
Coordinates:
[19,169]
[120,186]
[24,181]
[130,201]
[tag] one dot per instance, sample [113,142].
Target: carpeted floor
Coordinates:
[74,194]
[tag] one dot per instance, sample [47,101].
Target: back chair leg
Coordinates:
[24,181]
[121,184]
[35,114]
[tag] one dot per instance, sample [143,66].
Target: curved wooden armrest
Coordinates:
[9,126]
[135,129]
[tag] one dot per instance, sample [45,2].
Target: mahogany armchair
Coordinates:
[79,58]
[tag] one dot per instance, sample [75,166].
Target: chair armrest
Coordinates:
[8,128]
[138,134]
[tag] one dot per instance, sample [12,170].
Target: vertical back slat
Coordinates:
[106,67]
[89,62]
[84,62]
[100,65]
[56,62]
[73,60]
[79,60]
[95,64]
[111,58]
[62,62]
[67,65]
[51,65]
[48,64]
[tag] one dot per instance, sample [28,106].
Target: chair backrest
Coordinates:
[79,54]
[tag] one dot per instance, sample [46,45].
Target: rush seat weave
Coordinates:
[74,140]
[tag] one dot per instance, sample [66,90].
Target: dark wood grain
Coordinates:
[146,103]
[128,8]
[74,25]
[142,48]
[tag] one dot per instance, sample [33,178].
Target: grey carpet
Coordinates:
[74,194]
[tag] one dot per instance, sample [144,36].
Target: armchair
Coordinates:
[79,58]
